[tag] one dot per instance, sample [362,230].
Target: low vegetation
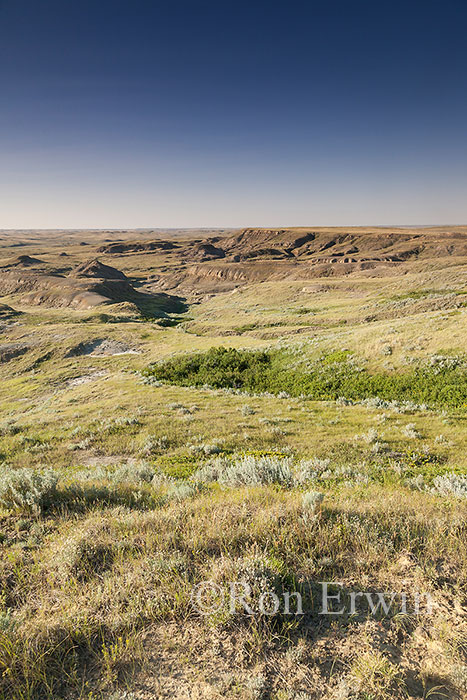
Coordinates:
[288,432]
[442,382]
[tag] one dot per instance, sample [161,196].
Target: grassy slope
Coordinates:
[90,583]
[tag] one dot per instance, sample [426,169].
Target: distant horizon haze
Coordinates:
[224,227]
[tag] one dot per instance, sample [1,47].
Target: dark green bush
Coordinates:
[331,377]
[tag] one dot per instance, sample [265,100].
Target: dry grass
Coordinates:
[97,579]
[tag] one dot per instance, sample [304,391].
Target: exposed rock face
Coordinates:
[96,269]
[321,251]
[334,246]
[56,291]
[220,263]
[194,250]
[136,247]
[204,251]
[89,285]
[264,254]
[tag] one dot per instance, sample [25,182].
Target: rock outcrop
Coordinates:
[96,269]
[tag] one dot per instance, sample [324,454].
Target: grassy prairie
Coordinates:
[136,465]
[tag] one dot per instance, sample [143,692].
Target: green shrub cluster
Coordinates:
[335,376]
[218,368]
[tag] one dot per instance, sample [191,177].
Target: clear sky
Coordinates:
[232,113]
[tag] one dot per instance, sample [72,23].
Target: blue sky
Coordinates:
[216,113]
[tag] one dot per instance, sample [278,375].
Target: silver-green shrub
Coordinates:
[26,489]
[248,471]
[311,504]
[451,485]
[183,490]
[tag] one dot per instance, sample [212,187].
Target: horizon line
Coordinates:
[218,228]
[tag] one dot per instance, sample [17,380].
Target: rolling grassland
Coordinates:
[273,408]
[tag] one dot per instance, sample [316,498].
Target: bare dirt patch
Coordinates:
[102,347]
[86,378]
